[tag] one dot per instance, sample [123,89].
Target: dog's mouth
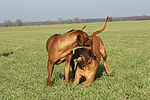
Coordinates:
[79,59]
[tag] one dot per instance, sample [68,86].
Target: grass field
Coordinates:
[23,74]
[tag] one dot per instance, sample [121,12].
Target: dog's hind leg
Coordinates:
[104,55]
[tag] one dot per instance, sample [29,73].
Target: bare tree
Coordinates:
[18,22]
[60,20]
[8,23]
[49,21]
[76,20]
[26,23]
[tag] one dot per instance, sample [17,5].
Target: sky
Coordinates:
[42,10]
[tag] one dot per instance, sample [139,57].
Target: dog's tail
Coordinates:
[83,27]
[95,33]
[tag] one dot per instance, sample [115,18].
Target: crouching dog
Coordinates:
[88,59]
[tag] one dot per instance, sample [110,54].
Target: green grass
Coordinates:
[23,74]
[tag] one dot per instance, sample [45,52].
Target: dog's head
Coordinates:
[83,39]
[83,56]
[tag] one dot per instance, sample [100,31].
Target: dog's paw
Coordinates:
[109,73]
[47,86]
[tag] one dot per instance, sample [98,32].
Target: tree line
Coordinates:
[18,22]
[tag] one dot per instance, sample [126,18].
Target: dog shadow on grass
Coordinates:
[6,54]
[100,71]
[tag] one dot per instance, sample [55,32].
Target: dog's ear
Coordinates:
[80,40]
[92,55]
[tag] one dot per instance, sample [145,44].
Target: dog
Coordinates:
[83,57]
[60,49]
[86,66]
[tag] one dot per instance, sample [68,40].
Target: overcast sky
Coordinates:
[42,10]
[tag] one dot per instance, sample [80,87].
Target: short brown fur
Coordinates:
[90,69]
[59,48]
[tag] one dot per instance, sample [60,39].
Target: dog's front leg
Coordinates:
[78,75]
[67,68]
[89,78]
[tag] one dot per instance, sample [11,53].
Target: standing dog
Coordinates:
[59,48]
[86,66]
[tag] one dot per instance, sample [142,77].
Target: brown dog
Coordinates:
[88,68]
[59,48]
